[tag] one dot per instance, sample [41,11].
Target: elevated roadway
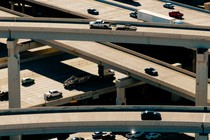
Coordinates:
[48,120]
[168,79]
[61,44]
[125,71]
[116,10]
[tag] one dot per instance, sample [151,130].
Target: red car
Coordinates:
[176,14]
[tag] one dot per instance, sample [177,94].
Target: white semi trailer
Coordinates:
[149,16]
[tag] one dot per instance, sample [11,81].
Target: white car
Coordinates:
[151,136]
[134,135]
[52,94]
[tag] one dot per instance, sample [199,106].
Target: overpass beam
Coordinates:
[13,74]
[28,45]
[201,77]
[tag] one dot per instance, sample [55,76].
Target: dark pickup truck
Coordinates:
[75,80]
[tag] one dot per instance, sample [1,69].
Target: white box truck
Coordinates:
[149,16]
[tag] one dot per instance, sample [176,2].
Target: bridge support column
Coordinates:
[121,99]
[202,137]
[13,74]
[23,6]
[201,97]
[120,85]
[14,77]
[12,4]
[101,70]
[201,77]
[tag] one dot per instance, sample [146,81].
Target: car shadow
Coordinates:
[131,2]
[4,99]
[27,85]
[54,98]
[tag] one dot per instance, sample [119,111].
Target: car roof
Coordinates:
[53,90]
[26,78]
[176,11]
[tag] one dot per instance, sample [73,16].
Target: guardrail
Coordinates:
[113,22]
[110,108]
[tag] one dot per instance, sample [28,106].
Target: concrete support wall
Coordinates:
[13,74]
[120,99]
[201,97]
[201,77]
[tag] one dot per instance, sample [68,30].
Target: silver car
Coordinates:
[52,94]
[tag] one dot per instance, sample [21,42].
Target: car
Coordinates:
[125,27]
[93,11]
[52,94]
[133,14]
[103,136]
[108,136]
[77,138]
[168,5]
[176,14]
[152,135]
[27,80]
[134,135]
[4,95]
[98,135]
[151,71]
[150,115]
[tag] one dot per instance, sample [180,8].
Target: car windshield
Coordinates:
[53,91]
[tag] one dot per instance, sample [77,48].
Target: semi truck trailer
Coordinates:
[149,16]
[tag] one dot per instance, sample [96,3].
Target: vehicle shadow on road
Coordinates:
[133,3]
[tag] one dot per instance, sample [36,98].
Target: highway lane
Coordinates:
[117,12]
[49,74]
[80,8]
[92,121]
[173,32]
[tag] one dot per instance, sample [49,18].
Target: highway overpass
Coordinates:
[115,14]
[118,60]
[118,119]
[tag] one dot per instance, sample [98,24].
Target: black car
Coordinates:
[93,11]
[150,115]
[151,71]
[133,14]
[4,95]
[168,5]
[98,135]
[103,136]
[108,136]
